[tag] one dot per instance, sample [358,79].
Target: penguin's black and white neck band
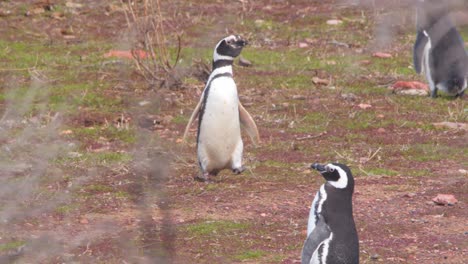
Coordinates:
[224,70]
[221,63]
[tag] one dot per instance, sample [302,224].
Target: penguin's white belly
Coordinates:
[426,64]
[220,127]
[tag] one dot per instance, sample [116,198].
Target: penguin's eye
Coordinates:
[330,169]
[229,42]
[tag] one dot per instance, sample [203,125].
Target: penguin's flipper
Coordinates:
[249,125]
[192,119]
[418,50]
[315,239]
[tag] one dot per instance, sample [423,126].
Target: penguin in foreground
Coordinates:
[331,232]
[439,50]
[221,115]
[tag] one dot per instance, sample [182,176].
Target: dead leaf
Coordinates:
[382,55]
[319,81]
[445,199]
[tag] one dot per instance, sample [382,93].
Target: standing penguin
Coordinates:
[439,49]
[331,232]
[220,115]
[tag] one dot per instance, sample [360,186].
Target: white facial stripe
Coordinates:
[342,181]
[217,56]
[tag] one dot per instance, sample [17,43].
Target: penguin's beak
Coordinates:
[241,42]
[318,167]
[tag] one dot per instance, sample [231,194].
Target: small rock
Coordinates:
[445,199]
[412,92]
[298,97]
[381,130]
[349,97]
[334,22]
[409,195]
[375,257]
[303,45]
[319,81]
[84,221]
[462,171]
[5,12]
[73,5]
[382,55]
[73,154]
[143,103]
[364,106]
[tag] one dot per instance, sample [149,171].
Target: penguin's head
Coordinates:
[337,175]
[429,12]
[229,48]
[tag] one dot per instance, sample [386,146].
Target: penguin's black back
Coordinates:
[338,213]
[449,60]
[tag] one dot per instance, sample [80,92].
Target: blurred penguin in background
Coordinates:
[439,51]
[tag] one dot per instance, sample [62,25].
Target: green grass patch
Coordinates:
[65,209]
[108,132]
[11,245]
[180,119]
[432,152]
[381,171]
[312,122]
[221,227]
[250,255]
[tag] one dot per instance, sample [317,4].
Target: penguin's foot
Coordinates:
[205,177]
[433,93]
[238,170]
[460,95]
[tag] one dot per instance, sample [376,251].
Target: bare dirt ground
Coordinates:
[93,169]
